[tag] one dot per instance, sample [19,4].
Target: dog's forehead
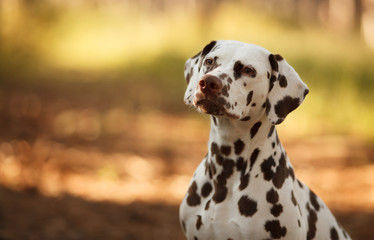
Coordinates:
[240,51]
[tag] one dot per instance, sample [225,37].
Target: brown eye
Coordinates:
[249,70]
[209,61]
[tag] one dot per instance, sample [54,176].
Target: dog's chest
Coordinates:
[240,214]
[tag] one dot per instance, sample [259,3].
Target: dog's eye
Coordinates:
[209,61]
[249,70]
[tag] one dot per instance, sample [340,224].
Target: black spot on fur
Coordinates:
[207,205]
[334,234]
[244,181]
[313,200]
[275,229]
[277,138]
[208,48]
[223,76]
[247,206]
[193,198]
[239,163]
[209,168]
[300,184]
[280,120]
[273,63]
[220,189]
[253,157]
[228,167]
[238,67]
[226,150]
[312,222]
[267,106]
[244,168]
[244,177]
[281,173]
[266,166]
[249,97]
[271,82]
[282,81]
[255,128]
[206,189]
[247,118]
[293,199]
[272,196]
[213,168]
[271,131]
[225,91]
[276,210]
[220,192]
[214,120]
[238,146]
[198,222]
[291,173]
[278,57]
[214,148]
[285,106]
[188,77]
[306,92]
[219,159]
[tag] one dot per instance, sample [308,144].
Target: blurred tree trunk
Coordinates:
[358,12]
[206,10]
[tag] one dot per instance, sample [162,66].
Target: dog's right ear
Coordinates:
[192,69]
[286,92]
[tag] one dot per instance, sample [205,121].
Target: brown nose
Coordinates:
[210,84]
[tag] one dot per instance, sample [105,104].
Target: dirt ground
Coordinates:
[84,173]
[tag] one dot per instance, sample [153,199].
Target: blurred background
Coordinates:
[96,143]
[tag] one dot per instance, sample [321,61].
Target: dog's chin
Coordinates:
[208,107]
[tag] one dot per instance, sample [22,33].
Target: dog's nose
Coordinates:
[210,84]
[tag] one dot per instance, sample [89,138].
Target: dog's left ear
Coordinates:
[286,92]
[192,71]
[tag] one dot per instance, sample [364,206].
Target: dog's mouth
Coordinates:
[209,106]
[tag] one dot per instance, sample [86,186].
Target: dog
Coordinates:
[245,187]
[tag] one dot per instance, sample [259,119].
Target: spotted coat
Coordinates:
[245,187]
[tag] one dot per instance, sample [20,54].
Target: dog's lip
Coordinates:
[208,106]
[204,103]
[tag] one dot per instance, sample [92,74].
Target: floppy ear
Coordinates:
[286,92]
[192,69]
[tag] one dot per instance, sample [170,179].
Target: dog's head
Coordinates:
[242,81]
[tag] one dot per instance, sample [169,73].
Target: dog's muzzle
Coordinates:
[207,98]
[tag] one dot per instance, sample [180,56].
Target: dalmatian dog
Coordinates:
[245,187]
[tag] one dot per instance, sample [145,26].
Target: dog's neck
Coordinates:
[245,147]
[256,133]
[242,137]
